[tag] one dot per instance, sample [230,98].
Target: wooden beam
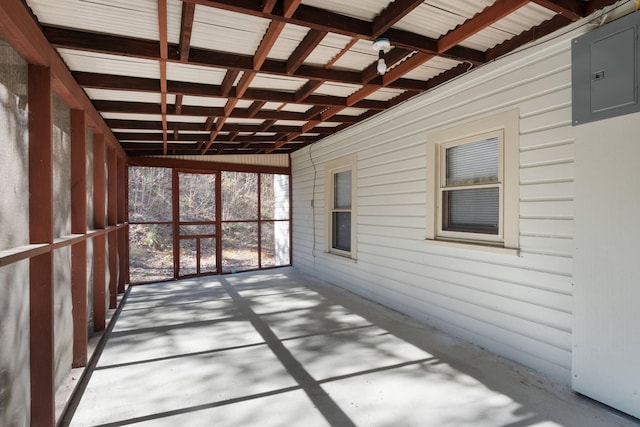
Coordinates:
[304,49]
[268,5]
[571,9]
[228,82]
[325,20]
[117,45]
[41,270]
[392,14]
[190,110]
[269,39]
[523,38]
[255,107]
[99,223]
[480,21]
[110,82]
[79,226]
[400,70]
[186,28]
[112,220]
[25,35]
[178,103]
[121,218]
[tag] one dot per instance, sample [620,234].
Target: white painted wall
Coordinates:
[607,292]
[517,306]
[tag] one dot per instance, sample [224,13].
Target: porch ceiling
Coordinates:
[272,76]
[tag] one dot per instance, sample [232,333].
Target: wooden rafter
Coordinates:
[186,27]
[480,21]
[164,55]
[392,14]
[115,45]
[571,9]
[304,49]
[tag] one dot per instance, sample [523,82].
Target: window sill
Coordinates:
[475,246]
[346,258]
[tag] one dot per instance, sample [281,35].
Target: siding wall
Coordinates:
[517,306]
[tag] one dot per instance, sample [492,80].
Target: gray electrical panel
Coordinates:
[605,71]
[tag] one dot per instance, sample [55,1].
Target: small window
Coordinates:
[474,188]
[340,182]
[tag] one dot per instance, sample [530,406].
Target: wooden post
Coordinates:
[112,221]
[79,226]
[99,223]
[41,303]
[122,242]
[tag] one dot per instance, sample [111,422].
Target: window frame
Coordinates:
[343,164]
[506,127]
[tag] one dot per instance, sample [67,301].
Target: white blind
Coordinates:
[473,210]
[473,163]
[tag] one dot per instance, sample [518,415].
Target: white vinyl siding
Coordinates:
[517,306]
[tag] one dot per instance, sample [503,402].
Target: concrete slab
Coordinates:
[277,348]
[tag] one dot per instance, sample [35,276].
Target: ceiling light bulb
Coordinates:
[381,45]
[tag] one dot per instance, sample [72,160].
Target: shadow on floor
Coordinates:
[278,348]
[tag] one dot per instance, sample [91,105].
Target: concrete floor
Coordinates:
[276,348]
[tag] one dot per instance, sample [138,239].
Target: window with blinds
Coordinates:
[473,186]
[471,191]
[470,187]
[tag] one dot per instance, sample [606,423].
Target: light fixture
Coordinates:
[382,46]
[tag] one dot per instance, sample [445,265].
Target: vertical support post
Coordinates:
[41,302]
[259,220]
[291,213]
[175,223]
[79,226]
[99,242]
[122,243]
[112,221]
[126,218]
[218,222]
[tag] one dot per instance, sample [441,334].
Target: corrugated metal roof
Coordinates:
[429,20]
[128,116]
[203,101]
[289,39]
[267,81]
[361,9]
[328,48]
[188,119]
[384,94]
[120,95]
[431,68]
[337,89]
[194,73]
[93,62]
[121,17]
[239,35]
[297,108]
[218,29]
[353,111]
[279,160]
[360,56]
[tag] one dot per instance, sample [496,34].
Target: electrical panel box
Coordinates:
[605,71]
